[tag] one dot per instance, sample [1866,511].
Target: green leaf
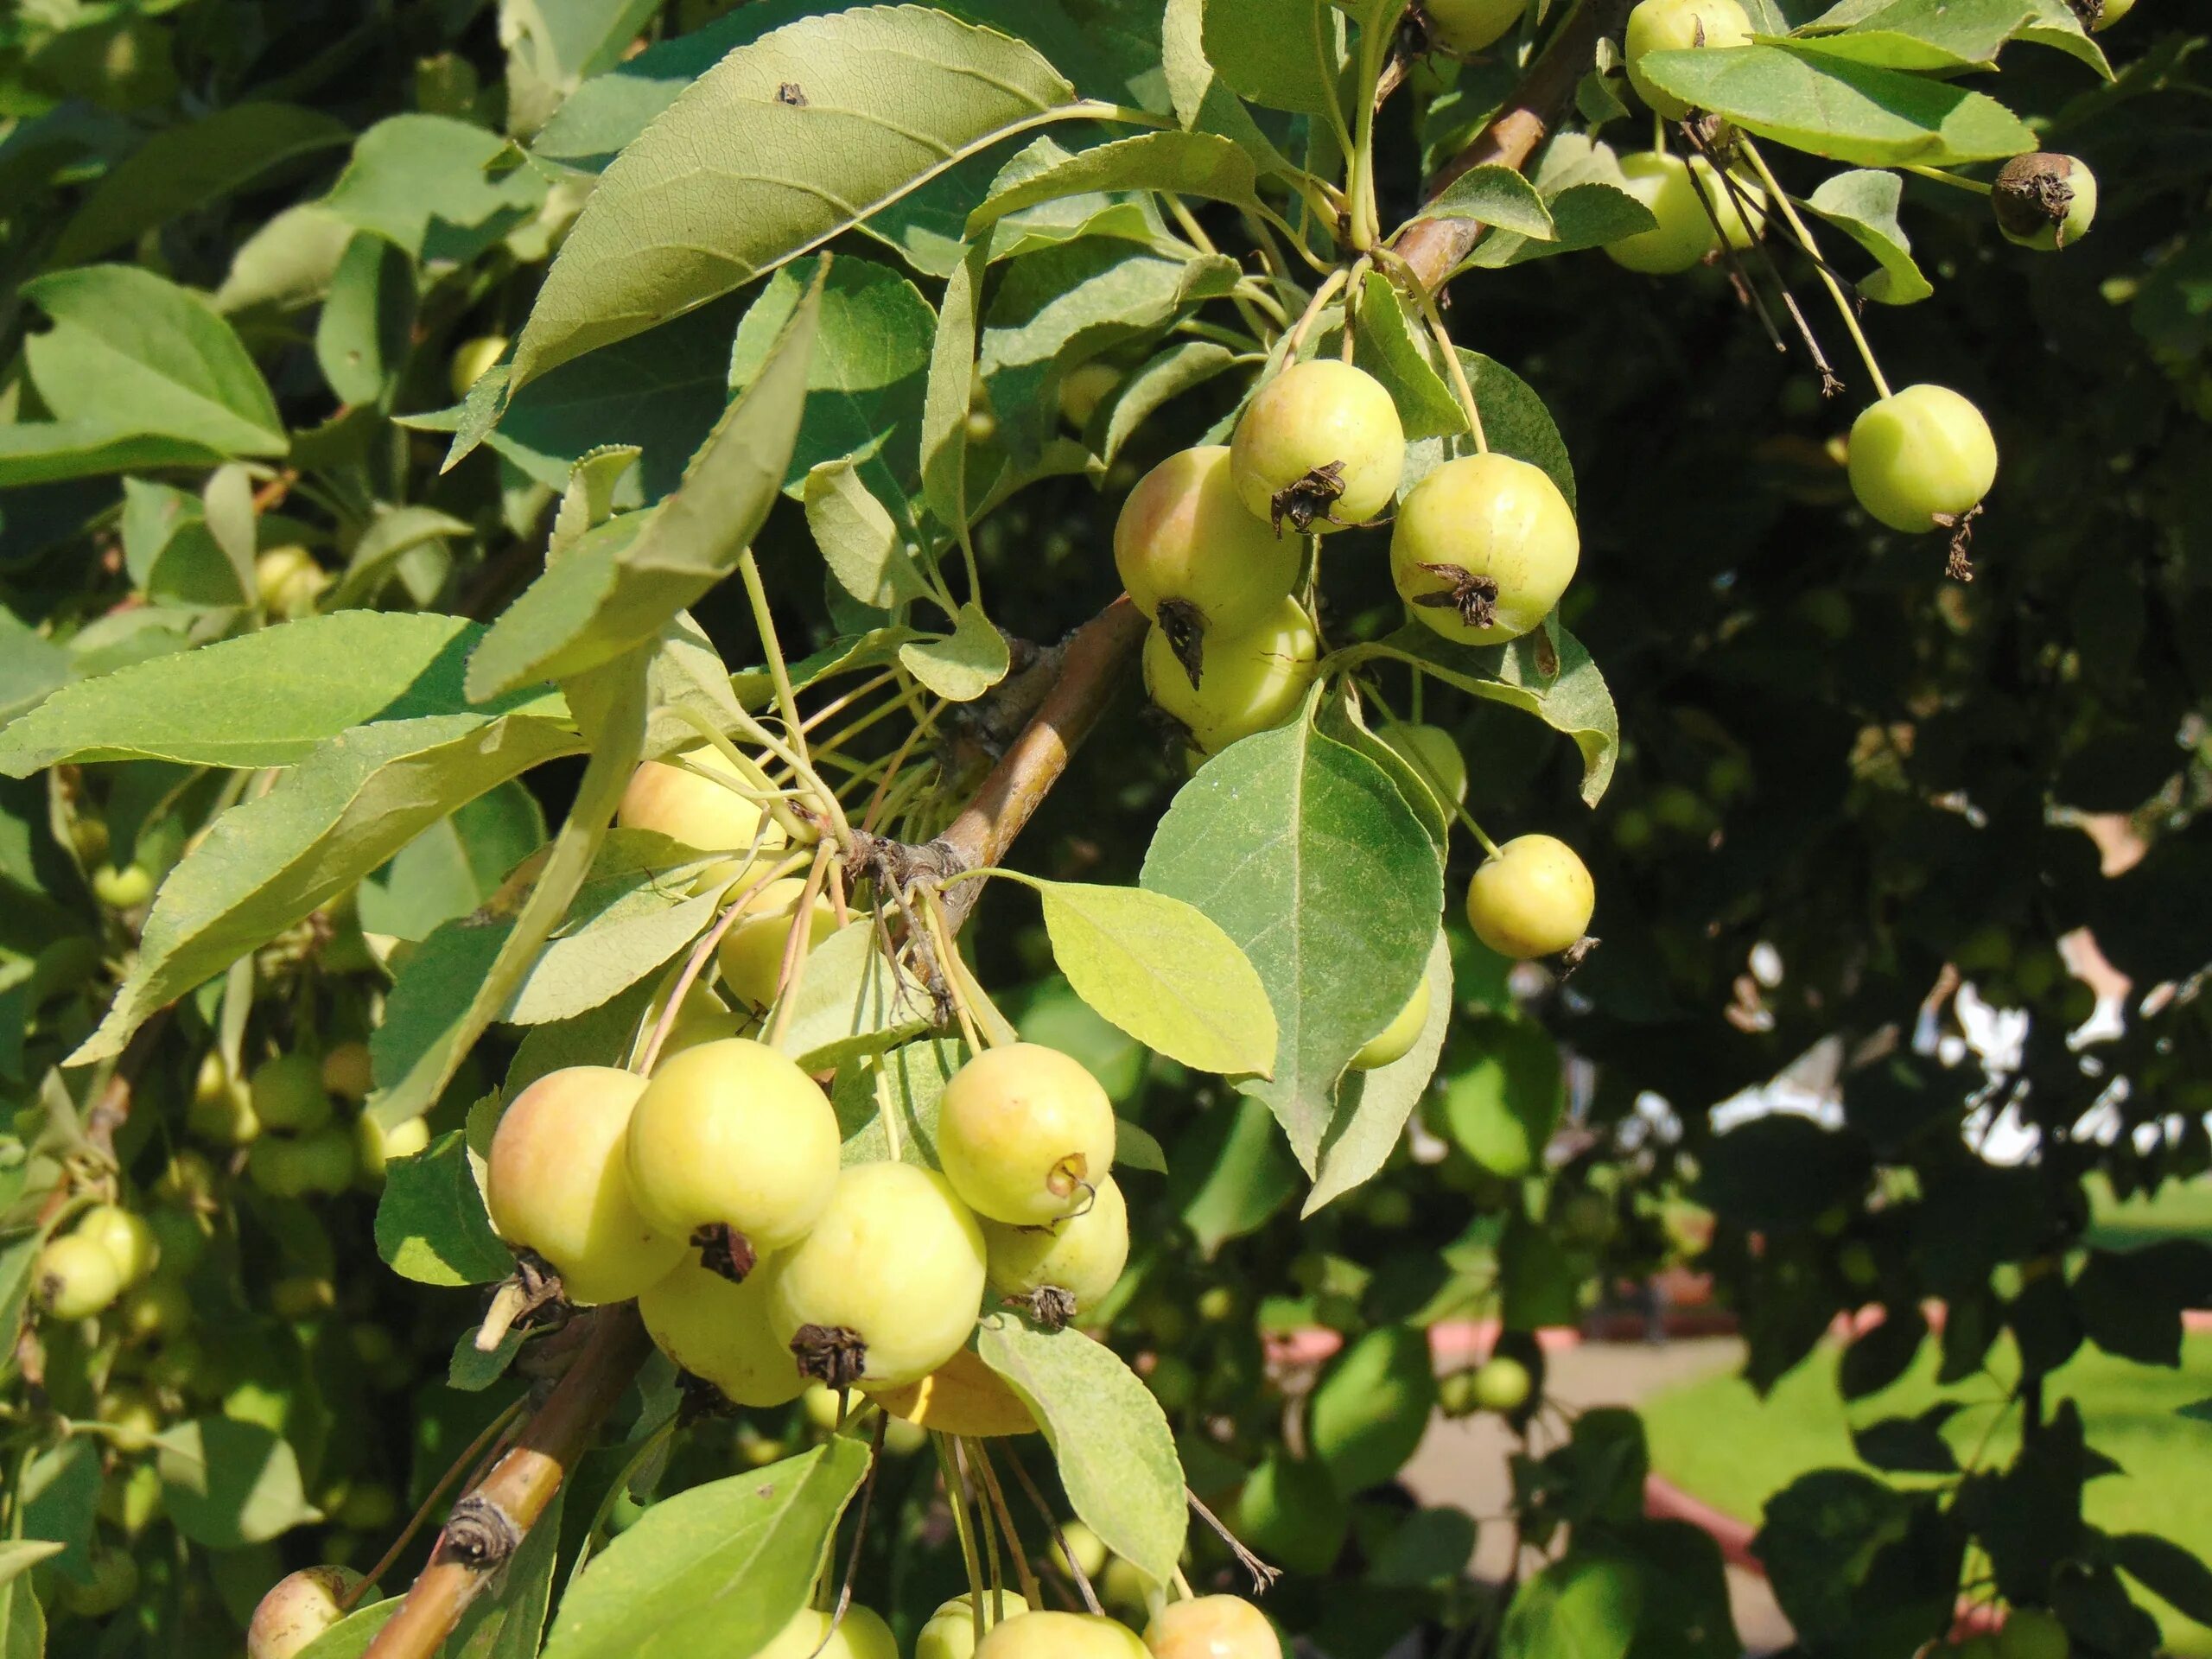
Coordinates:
[2054,24]
[618,587]
[1501,1107]
[227,1482]
[1494,194]
[1239,1174]
[286,263]
[181,169]
[268,862]
[1397,349]
[2174,1574]
[432,1225]
[1281,55]
[1514,421]
[1202,101]
[390,535]
[863,105]
[1372,1107]
[722,1567]
[859,539]
[453,866]
[950,388]
[1864,206]
[41,451]
[265,699]
[1312,863]
[962,665]
[1163,377]
[362,338]
[472,1369]
[135,355]
[634,911]
[1372,1406]
[430,184]
[1585,1605]
[553,44]
[1909,1445]
[853,1002]
[1847,111]
[1163,971]
[1180,163]
[350,1636]
[61,1494]
[19,1555]
[172,554]
[907,1086]
[1109,1438]
[1944,35]
[22,1622]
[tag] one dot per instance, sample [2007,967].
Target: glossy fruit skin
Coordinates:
[1501,521]
[1920,452]
[288,1093]
[862,1634]
[471,359]
[950,1632]
[1434,754]
[122,889]
[732,1133]
[1213,1627]
[1313,415]
[2029,189]
[720,1330]
[300,1608]
[1670,187]
[1082,1256]
[1392,1042]
[1062,1636]
[556,1184]
[1248,682]
[1532,898]
[896,1260]
[750,955]
[1465,26]
[2032,1633]
[124,1236]
[1502,1384]
[75,1278]
[1677,25]
[1020,1130]
[1084,388]
[1183,534]
[154,1311]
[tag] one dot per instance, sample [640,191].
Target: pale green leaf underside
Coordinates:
[853,1002]
[1184,163]
[1863,204]
[1372,1107]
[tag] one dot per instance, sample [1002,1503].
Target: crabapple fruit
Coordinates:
[1465,26]
[1502,1384]
[221,1109]
[1084,388]
[113,1582]
[719,1329]
[1320,445]
[74,1277]
[346,1071]
[1675,25]
[153,1311]
[1434,754]
[1022,1130]
[1061,1635]
[862,1634]
[962,1397]
[703,799]
[1190,556]
[2110,13]
[471,359]
[1394,1040]
[288,1093]
[1248,682]
[886,1287]
[1531,897]
[375,1147]
[1211,1627]
[1087,1548]
[287,580]
[751,954]
[950,1633]
[555,1184]
[1083,1255]
[732,1133]
[122,889]
[125,1236]
[132,1417]
[323,1162]
[1921,457]
[300,1608]
[2044,200]
[1483,547]
[1685,197]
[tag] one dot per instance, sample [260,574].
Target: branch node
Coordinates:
[479,1535]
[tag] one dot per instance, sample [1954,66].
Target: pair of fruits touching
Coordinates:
[285,1114]
[713,1194]
[81,1273]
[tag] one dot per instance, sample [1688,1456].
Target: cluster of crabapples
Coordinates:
[1482,548]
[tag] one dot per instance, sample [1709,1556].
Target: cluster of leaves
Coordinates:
[250,541]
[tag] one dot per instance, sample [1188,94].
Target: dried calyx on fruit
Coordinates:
[2044,200]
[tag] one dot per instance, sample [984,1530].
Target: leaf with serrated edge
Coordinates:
[963,665]
[1372,1107]
[1181,163]
[853,1002]
[432,1225]
[1494,194]
[1863,204]
[859,539]
[882,97]
[720,1568]
[1109,1438]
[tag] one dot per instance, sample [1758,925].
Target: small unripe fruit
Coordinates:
[134,1502]
[1434,754]
[1921,455]
[300,1609]
[1676,25]
[124,1236]
[2032,1633]
[74,1278]
[1392,1042]
[2110,13]
[1531,897]
[895,1265]
[302,1296]
[862,1634]
[962,1397]
[287,580]
[676,801]
[750,955]
[950,1633]
[1320,446]
[1465,26]
[471,359]
[189,1179]
[221,1112]
[114,1581]
[733,1134]
[1483,547]
[1084,388]
[1685,197]
[375,1147]
[1248,682]
[1859,1265]
[154,1311]
[345,1071]
[1185,540]
[1088,1548]
[1082,1256]
[719,1329]
[1502,1384]
[122,889]
[1211,1627]
[132,1416]
[2044,200]
[276,1166]
[1022,1130]
[1061,1635]
[556,1184]
[288,1093]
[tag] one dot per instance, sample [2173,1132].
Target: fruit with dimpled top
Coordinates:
[1320,447]
[74,1278]
[1483,547]
[1674,26]
[1190,555]
[300,1608]
[1062,1636]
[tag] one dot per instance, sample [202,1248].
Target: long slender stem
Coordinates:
[956,1497]
[697,962]
[1844,307]
[793,973]
[1030,1591]
[748,569]
[470,1452]
[1444,348]
[1936,175]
